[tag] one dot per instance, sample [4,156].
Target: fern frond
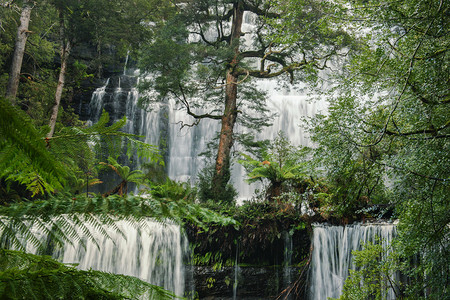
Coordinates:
[65,220]
[19,134]
[27,276]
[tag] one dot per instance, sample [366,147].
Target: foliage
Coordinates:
[40,277]
[282,164]
[314,27]
[354,176]
[126,176]
[173,190]
[375,272]
[207,192]
[386,137]
[37,77]
[23,154]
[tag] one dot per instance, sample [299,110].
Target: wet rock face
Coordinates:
[252,282]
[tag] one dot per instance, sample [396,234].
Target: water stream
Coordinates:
[236,273]
[152,251]
[287,263]
[332,255]
[182,147]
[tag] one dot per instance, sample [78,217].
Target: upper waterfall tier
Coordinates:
[182,147]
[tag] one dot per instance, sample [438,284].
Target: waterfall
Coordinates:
[126,63]
[332,255]
[287,278]
[236,273]
[153,252]
[182,146]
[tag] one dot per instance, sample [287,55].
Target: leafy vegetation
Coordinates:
[386,136]
[262,230]
[282,165]
[40,277]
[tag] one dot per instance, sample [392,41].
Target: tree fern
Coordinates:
[125,174]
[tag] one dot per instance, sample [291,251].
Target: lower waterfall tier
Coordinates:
[332,255]
[152,251]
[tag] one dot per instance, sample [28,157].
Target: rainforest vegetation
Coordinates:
[381,150]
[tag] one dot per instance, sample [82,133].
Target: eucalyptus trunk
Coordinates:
[19,50]
[65,49]
[223,159]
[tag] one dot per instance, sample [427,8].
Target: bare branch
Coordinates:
[188,108]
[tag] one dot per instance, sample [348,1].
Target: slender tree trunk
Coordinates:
[64,53]
[222,169]
[19,50]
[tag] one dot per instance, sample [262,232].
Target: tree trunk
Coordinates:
[222,169]
[19,50]
[64,53]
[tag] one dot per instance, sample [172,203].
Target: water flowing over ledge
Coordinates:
[152,251]
[181,147]
[332,255]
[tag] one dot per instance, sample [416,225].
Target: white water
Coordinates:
[153,252]
[161,125]
[331,257]
[236,273]
[287,263]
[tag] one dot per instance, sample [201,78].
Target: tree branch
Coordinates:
[189,112]
[259,12]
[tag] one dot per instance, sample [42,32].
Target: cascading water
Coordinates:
[287,278]
[182,146]
[236,273]
[153,252]
[332,255]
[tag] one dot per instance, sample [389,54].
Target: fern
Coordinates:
[27,276]
[60,216]
[23,150]
[45,165]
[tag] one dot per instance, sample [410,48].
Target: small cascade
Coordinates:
[126,63]
[236,273]
[119,97]
[332,255]
[97,99]
[287,264]
[153,252]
